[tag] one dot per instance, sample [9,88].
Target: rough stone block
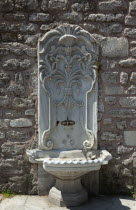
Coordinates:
[130,62]
[15,17]
[130,20]
[72,17]
[128,102]
[21,123]
[133,123]
[4,101]
[123,113]
[114,90]
[30,112]
[110,28]
[32,40]
[6,6]
[131,90]
[130,32]
[4,51]
[12,149]
[107,64]
[12,113]
[130,138]
[27,5]
[2,135]
[31,52]
[107,121]
[110,100]
[112,5]
[22,103]
[17,51]
[83,6]
[127,162]
[19,78]
[110,77]
[111,136]
[133,43]
[114,47]
[47,27]
[58,4]
[16,64]
[39,17]
[30,27]
[89,27]
[123,150]
[9,37]
[16,134]
[4,123]
[133,51]
[121,125]
[132,8]
[133,77]
[123,78]
[105,17]
[16,90]
[44,5]
[4,27]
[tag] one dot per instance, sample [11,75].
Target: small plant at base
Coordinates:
[8,194]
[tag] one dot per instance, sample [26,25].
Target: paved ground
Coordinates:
[41,203]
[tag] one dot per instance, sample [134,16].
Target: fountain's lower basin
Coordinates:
[68,167]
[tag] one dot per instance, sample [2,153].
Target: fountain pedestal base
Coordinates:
[68,193]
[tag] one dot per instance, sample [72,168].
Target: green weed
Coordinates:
[8,194]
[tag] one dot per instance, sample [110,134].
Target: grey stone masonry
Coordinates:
[113,24]
[130,62]
[106,17]
[130,138]
[21,123]
[123,78]
[112,6]
[111,136]
[132,8]
[114,47]
[128,102]
[133,77]
[114,90]
[110,100]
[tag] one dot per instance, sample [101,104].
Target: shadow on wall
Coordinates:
[107,203]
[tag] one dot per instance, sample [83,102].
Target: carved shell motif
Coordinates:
[67,62]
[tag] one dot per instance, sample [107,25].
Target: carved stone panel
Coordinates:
[67,89]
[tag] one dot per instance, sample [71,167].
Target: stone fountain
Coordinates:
[68,95]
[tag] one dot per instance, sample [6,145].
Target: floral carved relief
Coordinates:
[67,70]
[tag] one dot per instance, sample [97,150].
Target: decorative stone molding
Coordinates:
[67,73]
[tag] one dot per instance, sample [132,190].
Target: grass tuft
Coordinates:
[8,194]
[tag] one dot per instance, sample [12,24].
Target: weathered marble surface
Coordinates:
[67,89]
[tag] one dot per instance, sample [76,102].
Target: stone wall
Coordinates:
[113,24]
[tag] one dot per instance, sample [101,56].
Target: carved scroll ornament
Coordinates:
[67,68]
[58,66]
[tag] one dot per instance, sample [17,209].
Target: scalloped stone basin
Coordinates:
[68,167]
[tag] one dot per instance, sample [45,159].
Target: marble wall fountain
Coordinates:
[68,95]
